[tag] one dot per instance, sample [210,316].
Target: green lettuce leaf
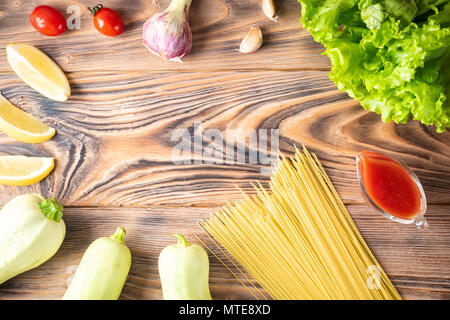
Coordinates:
[391,55]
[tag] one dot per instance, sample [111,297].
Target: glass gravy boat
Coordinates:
[418,218]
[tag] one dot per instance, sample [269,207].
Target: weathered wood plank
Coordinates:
[114,145]
[417,262]
[218,28]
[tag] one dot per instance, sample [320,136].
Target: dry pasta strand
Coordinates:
[297,239]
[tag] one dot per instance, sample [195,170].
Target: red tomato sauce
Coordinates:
[389,185]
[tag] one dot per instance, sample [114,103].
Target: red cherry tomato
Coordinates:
[48,21]
[107,21]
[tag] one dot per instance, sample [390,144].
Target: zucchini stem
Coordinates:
[182,242]
[119,235]
[52,209]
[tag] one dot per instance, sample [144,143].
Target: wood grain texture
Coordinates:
[113,149]
[113,145]
[417,263]
[218,28]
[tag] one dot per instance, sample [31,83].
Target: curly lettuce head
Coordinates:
[391,55]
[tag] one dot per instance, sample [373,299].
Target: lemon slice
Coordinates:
[37,70]
[22,126]
[23,171]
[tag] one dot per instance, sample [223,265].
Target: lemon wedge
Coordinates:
[22,126]
[37,70]
[23,171]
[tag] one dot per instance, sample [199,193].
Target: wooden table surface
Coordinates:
[113,145]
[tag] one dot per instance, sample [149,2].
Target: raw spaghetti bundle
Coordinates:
[298,240]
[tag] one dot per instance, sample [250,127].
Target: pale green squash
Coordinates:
[184,271]
[31,231]
[102,271]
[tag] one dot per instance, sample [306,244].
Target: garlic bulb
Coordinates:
[252,41]
[167,34]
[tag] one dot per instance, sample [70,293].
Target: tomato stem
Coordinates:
[94,10]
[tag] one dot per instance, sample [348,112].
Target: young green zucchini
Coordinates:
[31,231]
[184,271]
[102,271]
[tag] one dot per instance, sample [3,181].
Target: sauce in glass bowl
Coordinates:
[391,187]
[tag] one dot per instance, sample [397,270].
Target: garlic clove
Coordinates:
[252,41]
[270,9]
